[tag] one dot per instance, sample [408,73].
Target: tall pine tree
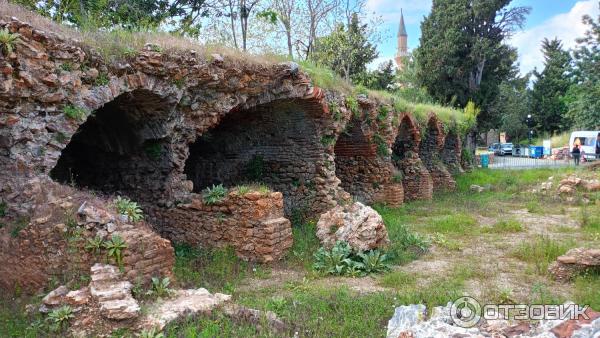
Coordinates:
[550,87]
[463,56]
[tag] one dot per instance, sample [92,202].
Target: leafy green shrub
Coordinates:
[327,140]
[127,207]
[352,103]
[151,333]
[59,318]
[67,66]
[94,245]
[214,195]
[374,261]
[343,260]
[160,287]
[243,190]
[102,79]
[115,247]
[2,209]
[75,113]
[7,41]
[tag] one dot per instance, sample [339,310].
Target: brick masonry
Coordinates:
[430,153]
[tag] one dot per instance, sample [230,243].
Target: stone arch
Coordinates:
[277,143]
[451,152]
[416,179]
[430,152]
[363,173]
[123,147]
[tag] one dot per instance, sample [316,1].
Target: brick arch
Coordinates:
[122,147]
[416,179]
[430,152]
[451,152]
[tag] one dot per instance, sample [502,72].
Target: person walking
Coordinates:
[576,153]
[598,147]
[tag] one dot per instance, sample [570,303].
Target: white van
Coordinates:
[587,140]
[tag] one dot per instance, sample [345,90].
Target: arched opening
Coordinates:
[276,144]
[415,177]
[451,153]
[123,147]
[431,149]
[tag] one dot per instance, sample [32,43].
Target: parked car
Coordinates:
[587,140]
[501,149]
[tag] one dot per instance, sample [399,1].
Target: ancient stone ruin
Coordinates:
[162,127]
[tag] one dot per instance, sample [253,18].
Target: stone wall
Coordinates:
[451,153]
[49,244]
[252,222]
[430,153]
[366,173]
[416,180]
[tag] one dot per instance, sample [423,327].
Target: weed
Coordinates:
[151,333]
[539,294]
[179,82]
[458,223]
[343,260]
[115,247]
[352,104]
[506,226]
[214,195]
[102,79]
[374,261]
[66,66]
[160,287]
[94,245]
[541,252]
[3,208]
[441,240]
[255,168]
[7,41]
[587,289]
[75,113]
[382,147]
[153,149]
[397,280]
[59,318]
[242,190]
[18,226]
[127,207]
[327,140]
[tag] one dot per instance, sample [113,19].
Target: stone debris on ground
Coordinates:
[357,224]
[113,293]
[183,303]
[574,262]
[255,317]
[412,321]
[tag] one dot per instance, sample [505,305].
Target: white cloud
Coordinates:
[566,26]
[382,59]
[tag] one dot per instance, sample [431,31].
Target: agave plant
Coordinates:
[374,261]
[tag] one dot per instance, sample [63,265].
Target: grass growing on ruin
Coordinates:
[542,252]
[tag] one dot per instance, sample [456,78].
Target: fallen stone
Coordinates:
[255,317]
[477,188]
[358,225]
[112,294]
[78,297]
[575,261]
[55,297]
[183,303]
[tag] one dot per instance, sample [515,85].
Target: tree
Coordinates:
[347,51]
[582,99]
[383,78]
[408,86]
[315,13]
[462,54]
[550,87]
[512,105]
[285,10]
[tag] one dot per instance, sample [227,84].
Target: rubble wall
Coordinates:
[430,153]
[252,222]
[365,171]
[451,153]
[416,179]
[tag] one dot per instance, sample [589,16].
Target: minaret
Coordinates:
[402,42]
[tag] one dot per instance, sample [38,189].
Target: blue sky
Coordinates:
[548,18]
